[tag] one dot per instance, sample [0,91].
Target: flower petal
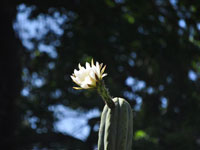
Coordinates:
[90,85]
[75,80]
[84,86]
[79,66]
[87,65]
[98,69]
[75,72]
[103,69]
[96,77]
[101,65]
[105,74]
[92,75]
[77,88]
[92,62]
[87,77]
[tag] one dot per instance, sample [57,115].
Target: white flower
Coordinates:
[87,77]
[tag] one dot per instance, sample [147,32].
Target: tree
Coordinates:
[10,76]
[152,53]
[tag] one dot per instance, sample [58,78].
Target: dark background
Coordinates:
[152,52]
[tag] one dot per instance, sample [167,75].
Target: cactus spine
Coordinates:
[116,127]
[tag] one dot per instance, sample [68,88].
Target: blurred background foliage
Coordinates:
[152,52]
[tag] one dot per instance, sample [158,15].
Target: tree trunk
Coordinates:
[10,71]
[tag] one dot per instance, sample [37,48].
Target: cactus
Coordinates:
[116,127]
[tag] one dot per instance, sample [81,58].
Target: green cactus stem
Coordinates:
[116,127]
[104,93]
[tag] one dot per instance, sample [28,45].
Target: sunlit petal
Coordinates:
[101,65]
[103,69]
[105,74]
[77,88]
[88,77]
[87,65]
[92,62]
[79,66]
[92,74]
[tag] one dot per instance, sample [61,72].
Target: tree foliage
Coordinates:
[152,52]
